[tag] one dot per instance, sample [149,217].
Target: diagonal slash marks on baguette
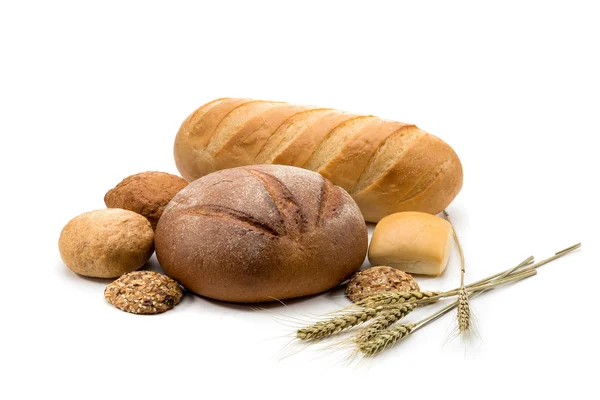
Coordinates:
[319,155]
[269,121]
[389,153]
[247,117]
[286,132]
[233,110]
[424,183]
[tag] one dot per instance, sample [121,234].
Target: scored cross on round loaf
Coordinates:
[261,233]
[386,166]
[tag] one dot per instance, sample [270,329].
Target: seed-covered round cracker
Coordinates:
[144,292]
[379,279]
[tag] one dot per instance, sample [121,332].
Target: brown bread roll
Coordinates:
[146,193]
[261,233]
[386,166]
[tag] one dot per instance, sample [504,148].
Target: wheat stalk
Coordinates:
[463,310]
[396,300]
[388,337]
[384,320]
[385,339]
[391,301]
[391,315]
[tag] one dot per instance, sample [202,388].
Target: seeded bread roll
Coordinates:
[386,166]
[261,233]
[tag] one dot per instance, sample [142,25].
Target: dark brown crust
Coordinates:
[222,237]
[329,201]
[291,214]
[225,213]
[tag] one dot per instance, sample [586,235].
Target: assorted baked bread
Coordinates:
[386,166]
[276,209]
[261,233]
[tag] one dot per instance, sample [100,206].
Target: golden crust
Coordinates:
[386,166]
[425,178]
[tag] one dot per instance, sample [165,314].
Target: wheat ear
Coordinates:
[392,300]
[385,339]
[389,307]
[334,325]
[388,337]
[384,320]
[463,309]
[395,297]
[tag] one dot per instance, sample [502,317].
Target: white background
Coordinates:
[91,93]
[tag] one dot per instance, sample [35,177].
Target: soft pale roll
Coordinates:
[413,242]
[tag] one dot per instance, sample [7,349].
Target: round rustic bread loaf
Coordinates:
[261,233]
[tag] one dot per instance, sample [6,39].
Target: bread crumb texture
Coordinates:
[106,243]
[146,193]
[379,279]
[144,292]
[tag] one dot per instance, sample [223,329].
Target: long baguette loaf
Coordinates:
[386,166]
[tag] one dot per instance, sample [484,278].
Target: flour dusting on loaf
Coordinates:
[260,233]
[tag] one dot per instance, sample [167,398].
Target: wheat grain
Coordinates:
[384,339]
[334,325]
[464,311]
[384,320]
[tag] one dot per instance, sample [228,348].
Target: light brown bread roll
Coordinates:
[261,233]
[386,166]
[413,242]
[106,243]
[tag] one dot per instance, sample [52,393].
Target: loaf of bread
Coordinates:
[386,166]
[413,242]
[260,233]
